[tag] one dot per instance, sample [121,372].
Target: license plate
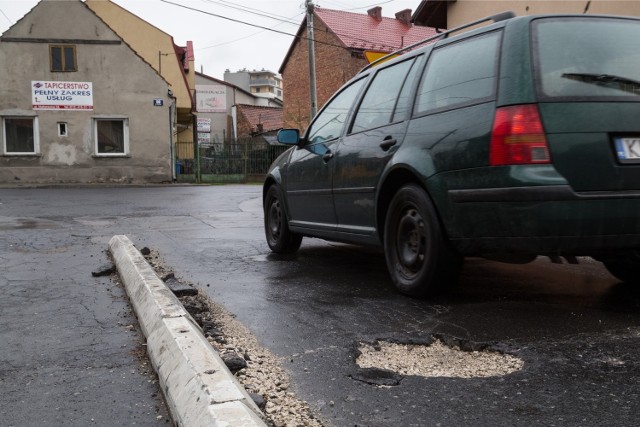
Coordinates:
[628,149]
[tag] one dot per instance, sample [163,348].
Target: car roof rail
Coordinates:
[503,16]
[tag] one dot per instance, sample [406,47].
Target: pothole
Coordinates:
[436,360]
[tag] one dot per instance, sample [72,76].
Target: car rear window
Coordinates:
[460,74]
[587,57]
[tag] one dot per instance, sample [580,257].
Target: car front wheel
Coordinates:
[419,259]
[279,238]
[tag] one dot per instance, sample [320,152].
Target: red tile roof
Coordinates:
[271,118]
[361,31]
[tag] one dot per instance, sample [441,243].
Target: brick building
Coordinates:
[341,39]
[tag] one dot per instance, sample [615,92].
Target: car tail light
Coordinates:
[518,137]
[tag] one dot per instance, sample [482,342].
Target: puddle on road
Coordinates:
[96,221]
[13,223]
[270,257]
[436,360]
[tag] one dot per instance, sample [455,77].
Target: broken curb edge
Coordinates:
[198,386]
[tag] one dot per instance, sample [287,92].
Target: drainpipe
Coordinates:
[196,148]
[172,112]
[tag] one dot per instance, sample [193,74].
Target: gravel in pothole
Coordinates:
[436,360]
[261,374]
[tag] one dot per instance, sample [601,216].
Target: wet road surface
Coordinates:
[575,327]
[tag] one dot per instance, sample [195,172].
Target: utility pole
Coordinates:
[312,59]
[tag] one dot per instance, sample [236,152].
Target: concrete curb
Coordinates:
[198,387]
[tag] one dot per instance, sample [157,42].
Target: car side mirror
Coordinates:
[289,136]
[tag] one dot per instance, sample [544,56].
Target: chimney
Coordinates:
[404,16]
[375,13]
[189,57]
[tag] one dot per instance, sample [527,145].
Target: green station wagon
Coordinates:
[517,139]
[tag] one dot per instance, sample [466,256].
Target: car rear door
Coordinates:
[377,130]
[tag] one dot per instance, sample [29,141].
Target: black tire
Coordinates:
[419,259]
[626,269]
[279,238]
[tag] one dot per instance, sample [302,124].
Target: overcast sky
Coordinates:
[221,43]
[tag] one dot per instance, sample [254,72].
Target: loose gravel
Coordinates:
[260,371]
[255,367]
[436,360]
[262,376]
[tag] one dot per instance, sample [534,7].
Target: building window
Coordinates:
[62,129]
[20,135]
[63,58]
[112,137]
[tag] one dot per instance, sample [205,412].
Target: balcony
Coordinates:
[264,82]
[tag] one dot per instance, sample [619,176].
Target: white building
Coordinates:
[262,84]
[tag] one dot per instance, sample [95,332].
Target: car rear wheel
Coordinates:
[279,238]
[626,269]
[419,259]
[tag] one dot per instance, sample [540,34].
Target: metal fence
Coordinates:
[246,160]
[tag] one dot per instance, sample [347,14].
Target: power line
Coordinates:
[230,41]
[253,11]
[231,5]
[227,18]
[301,37]
[250,24]
[358,8]
[5,15]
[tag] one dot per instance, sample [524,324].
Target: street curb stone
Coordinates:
[198,387]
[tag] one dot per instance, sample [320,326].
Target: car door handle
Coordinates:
[328,156]
[388,143]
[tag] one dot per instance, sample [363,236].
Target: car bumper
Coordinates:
[543,220]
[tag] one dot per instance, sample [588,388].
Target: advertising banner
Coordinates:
[211,98]
[61,95]
[204,138]
[204,125]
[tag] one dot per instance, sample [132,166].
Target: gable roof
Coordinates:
[18,21]
[361,31]
[104,10]
[271,118]
[67,31]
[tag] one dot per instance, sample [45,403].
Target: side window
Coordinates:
[379,103]
[111,137]
[62,58]
[458,74]
[331,120]
[403,107]
[20,135]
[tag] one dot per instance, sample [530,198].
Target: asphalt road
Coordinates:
[575,327]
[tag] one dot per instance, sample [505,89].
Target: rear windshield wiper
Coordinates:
[619,82]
